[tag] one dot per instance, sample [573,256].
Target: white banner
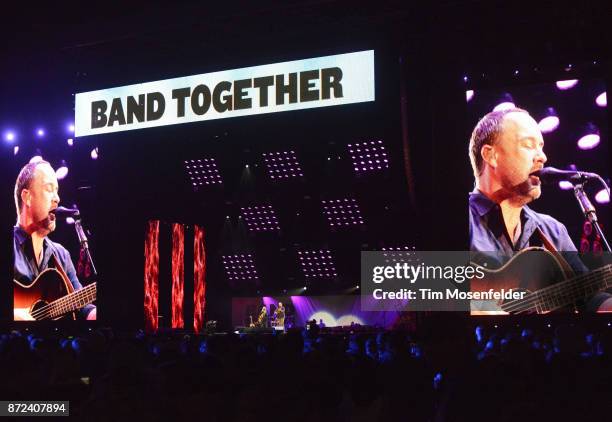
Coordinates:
[300,84]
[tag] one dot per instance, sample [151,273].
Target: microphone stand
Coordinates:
[83,241]
[589,212]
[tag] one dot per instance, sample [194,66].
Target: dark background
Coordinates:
[423,53]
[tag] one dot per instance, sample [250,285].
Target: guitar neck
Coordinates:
[564,293]
[73,301]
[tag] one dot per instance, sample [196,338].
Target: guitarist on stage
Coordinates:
[36,196]
[505,148]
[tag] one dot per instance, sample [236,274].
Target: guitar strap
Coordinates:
[60,269]
[548,245]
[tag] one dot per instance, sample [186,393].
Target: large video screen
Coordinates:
[526,223]
[53,275]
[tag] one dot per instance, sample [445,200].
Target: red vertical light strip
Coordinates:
[151,276]
[178,275]
[199,279]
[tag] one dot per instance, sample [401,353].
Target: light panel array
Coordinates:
[260,218]
[203,172]
[400,255]
[368,156]
[282,165]
[240,267]
[317,264]
[342,212]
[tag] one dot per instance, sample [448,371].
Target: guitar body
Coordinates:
[49,286]
[529,271]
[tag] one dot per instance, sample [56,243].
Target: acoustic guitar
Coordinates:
[50,296]
[546,280]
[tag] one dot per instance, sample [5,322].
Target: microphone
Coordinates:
[551,175]
[68,212]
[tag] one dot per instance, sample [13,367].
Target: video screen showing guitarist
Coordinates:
[505,148]
[46,285]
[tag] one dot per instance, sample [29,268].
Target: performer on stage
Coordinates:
[506,147]
[279,315]
[262,320]
[36,196]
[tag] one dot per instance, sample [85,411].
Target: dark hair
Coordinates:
[26,175]
[485,133]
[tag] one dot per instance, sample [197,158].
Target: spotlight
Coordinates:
[70,141]
[305,288]
[602,100]
[94,154]
[565,185]
[71,128]
[506,102]
[469,94]
[15,149]
[566,84]
[550,122]
[69,220]
[62,171]
[602,197]
[590,139]
[40,132]
[10,136]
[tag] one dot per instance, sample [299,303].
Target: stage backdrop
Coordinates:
[333,310]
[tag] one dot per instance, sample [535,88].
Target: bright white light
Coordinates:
[70,141]
[506,105]
[469,94]
[71,127]
[36,159]
[9,136]
[589,141]
[69,220]
[602,100]
[40,133]
[61,172]
[602,197]
[15,149]
[94,154]
[567,84]
[328,319]
[548,124]
[565,185]
[347,319]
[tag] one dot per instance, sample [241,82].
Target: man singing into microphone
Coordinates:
[36,196]
[506,147]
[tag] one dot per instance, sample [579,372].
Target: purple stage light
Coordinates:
[469,94]
[589,141]
[240,267]
[70,141]
[40,132]
[400,254]
[602,197]
[317,264]
[566,84]
[565,185]
[602,100]
[282,165]
[202,172]
[70,127]
[260,218]
[342,212]
[94,154]
[548,124]
[15,149]
[505,105]
[368,156]
[9,136]
[62,171]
